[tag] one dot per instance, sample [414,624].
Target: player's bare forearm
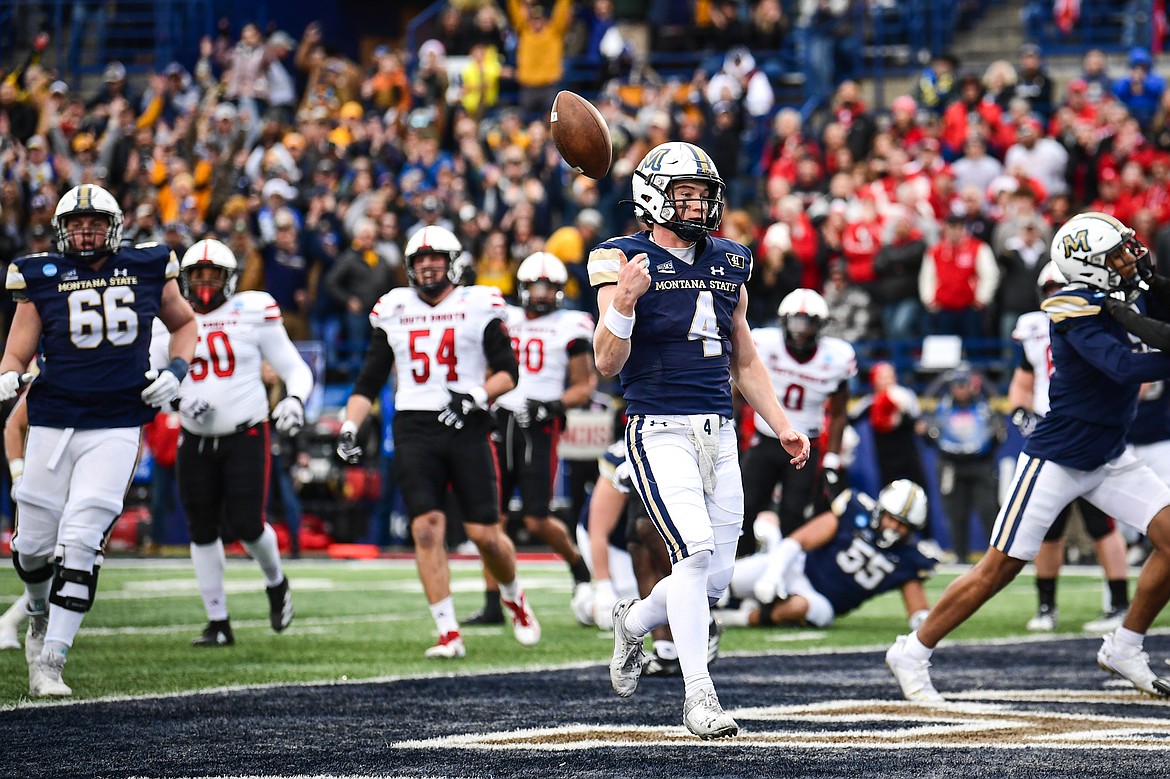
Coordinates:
[357,408]
[838,419]
[817,532]
[1020,390]
[915,596]
[15,428]
[582,381]
[498,383]
[23,337]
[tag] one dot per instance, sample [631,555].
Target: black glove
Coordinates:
[457,412]
[348,448]
[1025,420]
[540,412]
[835,482]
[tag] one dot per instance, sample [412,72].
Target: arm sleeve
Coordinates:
[279,351]
[497,347]
[1160,289]
[1114,358]
[1152,331]
[376,368]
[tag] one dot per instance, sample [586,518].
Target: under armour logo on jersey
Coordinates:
[717,271]
[666,267]
[121,272]
[736,260]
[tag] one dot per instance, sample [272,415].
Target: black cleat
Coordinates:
[217,633]
[656,666]
[485,617]
[280,605]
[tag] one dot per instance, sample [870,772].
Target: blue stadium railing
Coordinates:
[1102,24]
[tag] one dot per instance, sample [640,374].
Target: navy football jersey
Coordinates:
[851,569]
[1152,423]
[680,352]
[95,334]
[1097,369]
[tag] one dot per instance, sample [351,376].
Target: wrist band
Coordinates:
[16,467]
[618,323]
[177,366]
[831,461]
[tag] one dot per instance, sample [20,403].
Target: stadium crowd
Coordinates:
[930,215]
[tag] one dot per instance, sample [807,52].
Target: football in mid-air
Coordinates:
[581,134]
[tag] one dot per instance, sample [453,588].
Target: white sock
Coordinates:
[444,615]
[511,591]
[64,623]
[650,612]
[689,617]
[266,552]
[916,649]
[208,560]
[16,613]
[1129,641]
[63,626]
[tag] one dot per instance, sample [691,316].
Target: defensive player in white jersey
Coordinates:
[1078,449]
[223,459]
[450,350]
[810,375]
[88,308]
[554,350]
[1028,395]
[674,325]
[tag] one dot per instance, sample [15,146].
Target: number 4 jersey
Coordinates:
[436,347]
[95,334]
[543,346]
[234,340]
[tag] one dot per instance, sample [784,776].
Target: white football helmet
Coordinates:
[1050,276]
[208,294]
[1082,248]
[903,500]
[88,199]
[803,312]
[547,268]
[654,178]
[433,239]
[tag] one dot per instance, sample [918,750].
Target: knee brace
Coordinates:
[35,576]
[75,580]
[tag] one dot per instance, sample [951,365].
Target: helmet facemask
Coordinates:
[800,334]
[105,243]
[438,282]
[548,298]
[207,286]
[904,502]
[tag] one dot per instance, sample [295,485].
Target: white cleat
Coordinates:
[45,678]
[625,667]
[913,675]
[1134,668]
[582,603]
[450,646]
[9,637]
[1045,620]
[524,624]
[1107,622]
[604,599]
[704,717]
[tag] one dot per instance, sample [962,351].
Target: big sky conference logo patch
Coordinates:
[967,722]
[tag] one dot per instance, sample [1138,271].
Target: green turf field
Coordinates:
[365,620]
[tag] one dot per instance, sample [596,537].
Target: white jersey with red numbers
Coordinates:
[436,348]
[803,387]
[234,340]
[1031,333]
[542,350]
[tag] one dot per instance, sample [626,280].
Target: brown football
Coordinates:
[581,134]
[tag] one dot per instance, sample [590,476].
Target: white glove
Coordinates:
[15,484]
[289,415]
[193,408]
[604,599]
[163,388]
[9,385]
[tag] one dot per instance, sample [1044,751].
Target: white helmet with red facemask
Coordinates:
[207,292]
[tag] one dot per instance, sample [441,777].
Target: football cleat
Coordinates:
[1045,620]
[9,638]
[34,642]
[485,617]
[714,635]
[704,717]
[1135,668]
[657,666]
[524,624]
[449,647]
[217,633]
[582,603]
[45,677]
[628,655]
[913,675]
[1106,623]
[280,605]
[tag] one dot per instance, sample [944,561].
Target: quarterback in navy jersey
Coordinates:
[841,558]
[88,309]
[673,323]
[1078,449]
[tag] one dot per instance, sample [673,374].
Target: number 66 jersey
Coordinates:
[436,348]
